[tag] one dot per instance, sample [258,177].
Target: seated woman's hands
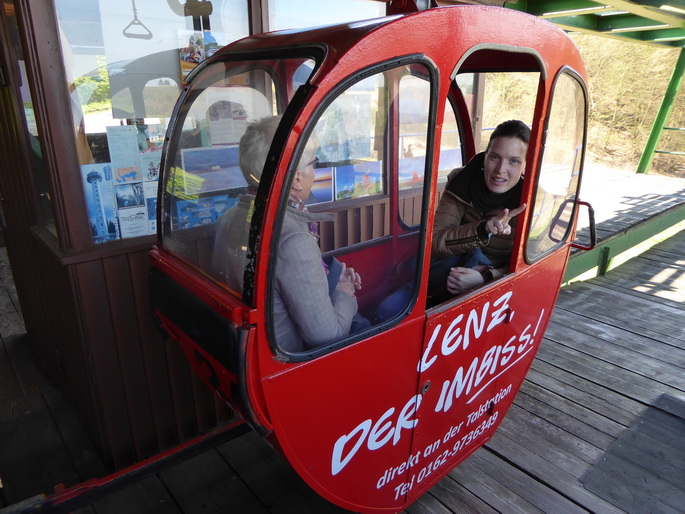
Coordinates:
[499,225]
[349,281]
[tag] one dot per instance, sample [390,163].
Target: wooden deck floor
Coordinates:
[574,441]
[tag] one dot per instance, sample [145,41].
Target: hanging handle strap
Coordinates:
[137,24]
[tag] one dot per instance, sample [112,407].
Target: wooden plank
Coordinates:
[509,489]
[637,363]
[459,499]
[571,390]
[665,290]
[181,391]
[8,280]
[115,434]
[341,230]
[581,413]
[32,457]
[644,469]
[10,386]
[271,478]
[473,475]
[147,496]
[428,504]
[548,473]
[617,337]
[81,450]
[569,452]
[11,325]
[354,226]
[605,373]
[43,432]
[207,484]
[596,303]
[630,406]
[646,266]
[204,404]
[366,222]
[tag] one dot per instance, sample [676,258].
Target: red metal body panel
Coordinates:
[374,424]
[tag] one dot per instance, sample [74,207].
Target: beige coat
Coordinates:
[305,316]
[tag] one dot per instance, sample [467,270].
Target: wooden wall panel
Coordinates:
[106,379]
[154,355]
[130,362]
[52,322]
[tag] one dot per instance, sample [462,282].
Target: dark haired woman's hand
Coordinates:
[463,279]
[499,225]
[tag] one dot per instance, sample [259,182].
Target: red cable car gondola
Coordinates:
[383,110]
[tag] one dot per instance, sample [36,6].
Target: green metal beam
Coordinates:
[661,117]
[662,36]
[648,12]
[579,23]
[629,22]
[585,16]
[587,25]
[566,7]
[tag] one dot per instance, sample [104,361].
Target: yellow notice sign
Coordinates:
[184,185]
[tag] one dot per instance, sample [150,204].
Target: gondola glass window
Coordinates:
[348,207]
[413,144]
[126,63]
[208,196]
[558,181]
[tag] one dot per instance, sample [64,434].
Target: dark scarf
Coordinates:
[469,185]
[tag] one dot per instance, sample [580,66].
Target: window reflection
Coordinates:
[125,64]
[39,176]
[289,14]
[210,185]
[560,170]
[343,261]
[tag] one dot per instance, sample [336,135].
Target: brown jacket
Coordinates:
[456,231]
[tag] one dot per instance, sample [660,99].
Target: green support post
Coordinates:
[662,116]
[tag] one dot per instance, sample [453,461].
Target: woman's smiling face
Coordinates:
[505,161]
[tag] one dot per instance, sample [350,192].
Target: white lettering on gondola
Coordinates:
[377,436]
[469,380]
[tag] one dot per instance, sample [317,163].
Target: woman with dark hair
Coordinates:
[474,221]
[472,234]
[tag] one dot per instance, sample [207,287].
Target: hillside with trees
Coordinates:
[627,82]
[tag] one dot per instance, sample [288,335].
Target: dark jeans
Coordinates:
[397,301]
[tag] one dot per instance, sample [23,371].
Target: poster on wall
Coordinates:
[124,151]
[212,169]
[149,163]
[150,192]
[121,196]
[195,47]
[203,211]
[357,180]
[131,209]
[322,189]
[97,188]
[227,122]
